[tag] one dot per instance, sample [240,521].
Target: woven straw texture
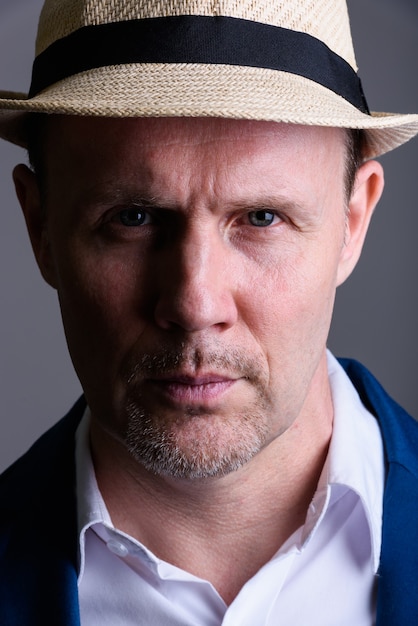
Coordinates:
[199,90]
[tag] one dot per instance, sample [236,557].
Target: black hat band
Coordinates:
[197,39]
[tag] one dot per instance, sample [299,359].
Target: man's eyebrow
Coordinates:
[114,195]
[267,202]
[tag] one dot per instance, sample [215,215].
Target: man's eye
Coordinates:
[133,217]
[262,218]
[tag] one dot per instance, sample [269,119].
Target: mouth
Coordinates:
[192,390]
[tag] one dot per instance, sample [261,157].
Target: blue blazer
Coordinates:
[38,560]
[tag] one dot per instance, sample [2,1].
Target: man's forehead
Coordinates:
[183,162]
[187,156]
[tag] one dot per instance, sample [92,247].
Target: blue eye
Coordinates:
[261,218]
[133,216]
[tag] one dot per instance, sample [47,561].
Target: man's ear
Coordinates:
[27,190]
[367,190]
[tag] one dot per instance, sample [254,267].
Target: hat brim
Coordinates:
[198,90]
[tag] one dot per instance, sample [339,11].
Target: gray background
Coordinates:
[375,318]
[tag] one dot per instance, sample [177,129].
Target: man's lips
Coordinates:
[185,389]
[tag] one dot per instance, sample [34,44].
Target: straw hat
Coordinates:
[281,60]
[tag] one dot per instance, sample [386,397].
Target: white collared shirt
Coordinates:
[324,575]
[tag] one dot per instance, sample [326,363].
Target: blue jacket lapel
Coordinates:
[38,549]
[397,600]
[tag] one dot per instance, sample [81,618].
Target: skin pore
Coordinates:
[196,263]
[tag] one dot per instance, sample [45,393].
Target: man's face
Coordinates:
[196,263]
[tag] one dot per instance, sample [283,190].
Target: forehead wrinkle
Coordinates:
[203,131]
[210,196]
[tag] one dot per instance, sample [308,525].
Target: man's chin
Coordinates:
[202,446]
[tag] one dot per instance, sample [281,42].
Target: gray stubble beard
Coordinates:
[158,451]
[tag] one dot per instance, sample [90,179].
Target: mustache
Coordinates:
[169,360]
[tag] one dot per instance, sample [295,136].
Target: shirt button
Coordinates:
[117,547]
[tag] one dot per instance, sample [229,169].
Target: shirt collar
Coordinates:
[91,508]
[356,457]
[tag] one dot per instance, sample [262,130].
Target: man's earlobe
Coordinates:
[27,191]
[367,190]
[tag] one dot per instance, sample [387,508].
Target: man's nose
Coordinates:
[196,283]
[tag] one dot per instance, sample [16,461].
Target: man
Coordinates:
[197,193]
